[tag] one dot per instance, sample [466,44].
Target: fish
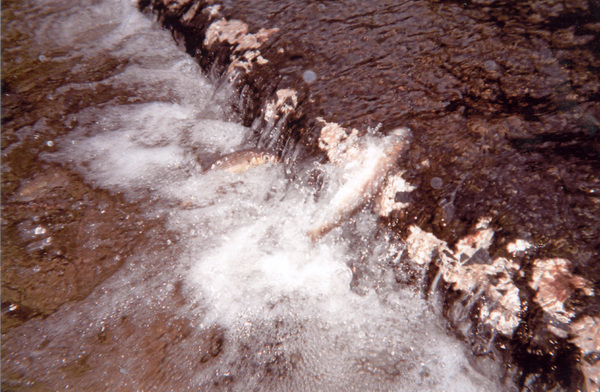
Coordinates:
[366,175]
[242,161]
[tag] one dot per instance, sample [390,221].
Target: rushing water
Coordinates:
[241,298]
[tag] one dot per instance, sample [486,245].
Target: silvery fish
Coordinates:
[366,176]
[242,161]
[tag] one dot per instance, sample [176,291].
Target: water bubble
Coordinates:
[50,143]
[42,58]
[309,76]
[436,183]
[491,66]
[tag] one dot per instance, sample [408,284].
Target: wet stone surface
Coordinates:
[502,98]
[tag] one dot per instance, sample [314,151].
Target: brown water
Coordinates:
[502,101]
[127,266]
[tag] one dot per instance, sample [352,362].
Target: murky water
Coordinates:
[239,297]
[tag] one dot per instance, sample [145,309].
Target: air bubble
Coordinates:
[309,76]
[436,183]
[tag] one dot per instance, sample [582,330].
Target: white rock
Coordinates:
[586,333]
[490,283]
[554,285]
[518,245]
[339,144]
[387,201]
[287,100]
[421,245]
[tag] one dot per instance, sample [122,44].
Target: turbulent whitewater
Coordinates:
[242,299]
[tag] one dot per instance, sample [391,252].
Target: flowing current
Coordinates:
[239,298]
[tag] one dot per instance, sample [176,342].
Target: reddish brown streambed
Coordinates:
[60,237]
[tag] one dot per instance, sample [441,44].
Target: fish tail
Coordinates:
[323,228]
[318,232]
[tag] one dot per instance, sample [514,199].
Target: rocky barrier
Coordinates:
[498,196]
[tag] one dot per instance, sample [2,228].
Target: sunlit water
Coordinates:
[242,299]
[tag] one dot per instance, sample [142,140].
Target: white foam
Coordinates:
[246,263]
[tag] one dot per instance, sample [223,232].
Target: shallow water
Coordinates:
[236,296]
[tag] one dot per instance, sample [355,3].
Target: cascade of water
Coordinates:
[242,298]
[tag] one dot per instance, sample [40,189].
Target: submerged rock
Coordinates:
[484,283]
[490,292]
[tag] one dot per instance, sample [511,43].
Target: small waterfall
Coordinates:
[238,297]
